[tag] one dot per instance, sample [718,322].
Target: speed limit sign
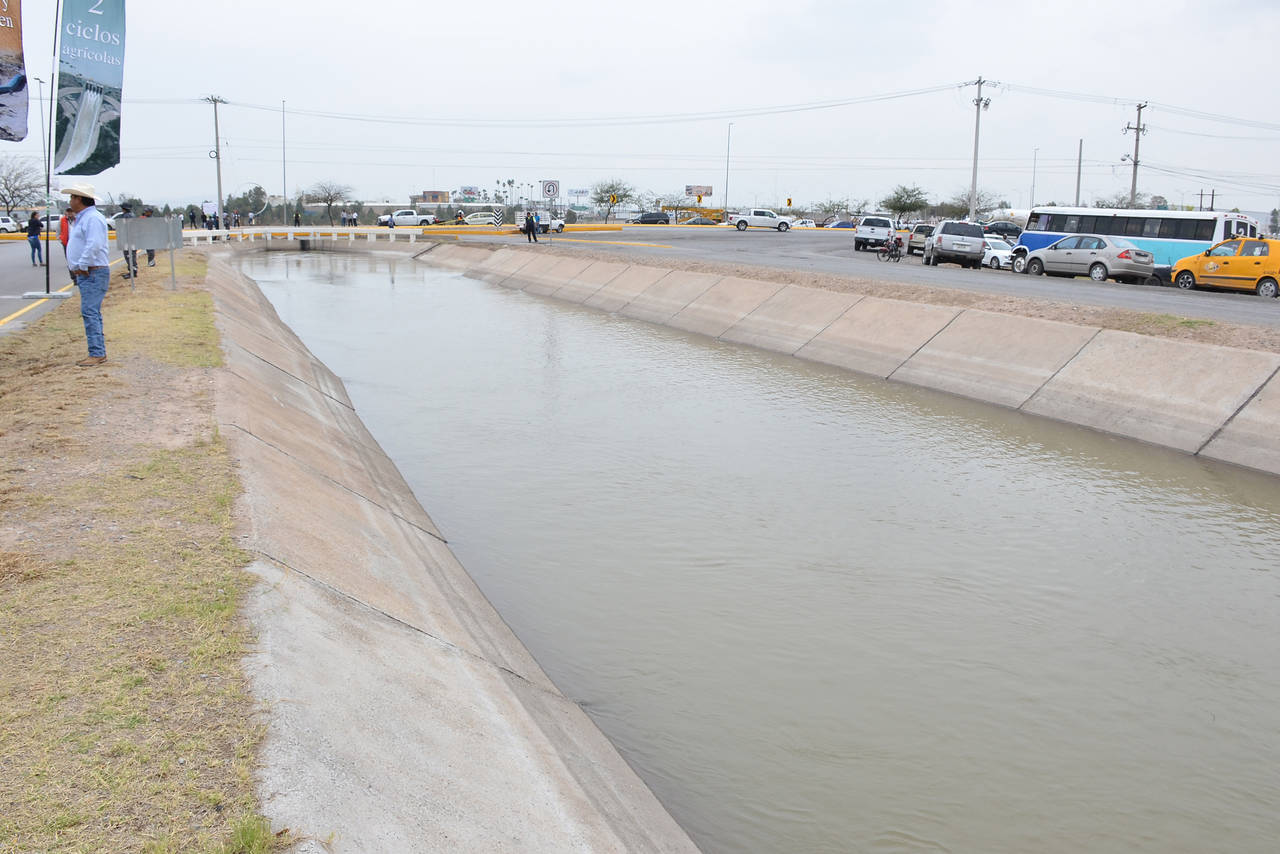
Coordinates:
[550,189]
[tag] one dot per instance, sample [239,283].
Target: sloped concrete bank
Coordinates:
[1216,402]
[402,713]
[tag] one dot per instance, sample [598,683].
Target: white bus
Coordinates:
[1167,235]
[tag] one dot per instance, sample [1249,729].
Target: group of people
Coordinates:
[350,219]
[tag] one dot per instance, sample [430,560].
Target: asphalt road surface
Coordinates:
[18,277]
[832,252]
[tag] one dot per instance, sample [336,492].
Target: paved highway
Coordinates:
[827,252]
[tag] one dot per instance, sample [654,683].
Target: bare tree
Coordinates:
[611,193]
[329,193]
[21,183]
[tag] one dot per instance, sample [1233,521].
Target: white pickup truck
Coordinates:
[407,217]
[873,230]
[759,218]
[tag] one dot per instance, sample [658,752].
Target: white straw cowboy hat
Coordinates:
[80,189]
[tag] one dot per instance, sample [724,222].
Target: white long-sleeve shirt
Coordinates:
[87,243]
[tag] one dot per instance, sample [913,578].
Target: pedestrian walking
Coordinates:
[35,230]
[130,255]
[530,228]
[87,258]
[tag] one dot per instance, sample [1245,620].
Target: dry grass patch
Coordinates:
[125,719]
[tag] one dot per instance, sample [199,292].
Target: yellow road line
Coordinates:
[614,242]
[36,303]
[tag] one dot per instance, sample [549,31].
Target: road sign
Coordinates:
[550,189]
[788,201]
[699,199]
[697,190]
[613,199]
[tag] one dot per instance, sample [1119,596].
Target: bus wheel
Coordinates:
[1185,280]
[1019,263]
[1267,288]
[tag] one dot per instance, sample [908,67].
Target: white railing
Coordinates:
[195,237]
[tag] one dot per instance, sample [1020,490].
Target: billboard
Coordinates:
[13,73]
[90,87]
[469,193]
[697,189]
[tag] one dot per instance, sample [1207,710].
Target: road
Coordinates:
[17,277]
[826,252]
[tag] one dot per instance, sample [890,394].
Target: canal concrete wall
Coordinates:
[401,712]
[1216,402]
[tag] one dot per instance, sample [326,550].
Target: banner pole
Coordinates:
[48,155]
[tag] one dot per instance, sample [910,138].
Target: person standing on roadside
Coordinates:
[35,229]
[297,219]
[530,228]
[130,255]
[64,229]
[87,257]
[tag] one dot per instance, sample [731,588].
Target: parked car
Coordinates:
[840,223]
[916,240]
[1093,255]
[407,216]
[1003,229]
[872,231]
[652,218]
[955,240]
[758,218]
[998,255]
[479,218]
[9,225]
[1241,264]
[804,223]
[700,220]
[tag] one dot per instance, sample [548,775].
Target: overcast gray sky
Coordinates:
[443,94]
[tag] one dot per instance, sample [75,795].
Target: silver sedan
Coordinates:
[1097,256]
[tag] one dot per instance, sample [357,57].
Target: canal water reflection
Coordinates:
[821,612]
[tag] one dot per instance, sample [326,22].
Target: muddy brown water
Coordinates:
[821,612]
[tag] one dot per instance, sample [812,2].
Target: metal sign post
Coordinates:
[550,191]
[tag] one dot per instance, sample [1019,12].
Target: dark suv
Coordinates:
[653,218]
[1003,229]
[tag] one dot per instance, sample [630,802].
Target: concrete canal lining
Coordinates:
[1218,402]
[402,713]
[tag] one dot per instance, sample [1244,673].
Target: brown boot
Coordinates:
[91,361]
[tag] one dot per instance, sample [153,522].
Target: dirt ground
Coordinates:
[1127,320]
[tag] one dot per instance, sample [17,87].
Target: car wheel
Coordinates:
[782,226]
[1267,288]
[933,260]
[742,225]
[1098,272]
[1185,280]
[995,263]
[1035,267]
[560,229]
[1019,263]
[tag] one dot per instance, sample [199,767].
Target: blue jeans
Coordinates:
[37,254]
[93,290]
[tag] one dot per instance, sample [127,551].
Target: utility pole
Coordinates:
[284,173]
[1079,168]
[1138,131]
[217,148]
[978,106]
[1035,156]
[727,140]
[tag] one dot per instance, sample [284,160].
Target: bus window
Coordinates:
[1134,227]
[1056,221]
[1118,224]
[1088,224]
[1038,222]
[1169,227]
[1204,229]
[1151,228]
[1187,228]
[1253,230]
[1072,225]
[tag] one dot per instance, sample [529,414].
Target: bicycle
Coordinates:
[890,250]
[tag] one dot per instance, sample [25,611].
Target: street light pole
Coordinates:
[727,141]
[217,148]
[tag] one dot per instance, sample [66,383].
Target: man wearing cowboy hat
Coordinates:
[87,257]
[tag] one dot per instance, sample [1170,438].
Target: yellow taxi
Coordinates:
[1242,263]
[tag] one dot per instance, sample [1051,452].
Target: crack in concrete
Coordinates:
[337,483]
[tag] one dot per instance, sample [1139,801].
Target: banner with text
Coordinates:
[13,73]
[90,85]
